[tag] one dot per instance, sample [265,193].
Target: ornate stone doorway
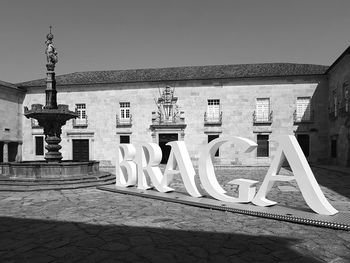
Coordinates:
[163,139]
[168,123]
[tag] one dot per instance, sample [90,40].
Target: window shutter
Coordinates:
[303,108]
[213,111]
[262,109]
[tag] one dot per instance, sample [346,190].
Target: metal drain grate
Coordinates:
[338,221]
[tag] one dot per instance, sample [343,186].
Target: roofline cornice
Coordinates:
[181,80]
[19,89]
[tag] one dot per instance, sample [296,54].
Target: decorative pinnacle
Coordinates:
[49,36]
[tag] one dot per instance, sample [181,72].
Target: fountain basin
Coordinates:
[51,119]
[49,170]
[49,116]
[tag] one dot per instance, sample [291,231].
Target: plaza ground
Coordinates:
[90,225]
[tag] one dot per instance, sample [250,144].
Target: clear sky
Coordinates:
[124,34]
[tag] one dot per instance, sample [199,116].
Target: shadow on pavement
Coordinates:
[31,240]
[336,181]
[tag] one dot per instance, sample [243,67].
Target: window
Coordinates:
[124,139]
[263,110]
[213,137]
[213,110]
[39,145]
[124,110]
[303,109]
[335,103]
[81,110]
[304,142]
[81,121]
[263,145]
[334,148]
[346,97]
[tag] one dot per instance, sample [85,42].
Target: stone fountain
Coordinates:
[51,117]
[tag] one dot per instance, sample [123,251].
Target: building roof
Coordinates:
[183,73]
[346,52]
[8,85]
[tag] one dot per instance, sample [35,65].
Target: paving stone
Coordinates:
[89,225]
[198,252]
[90,242]
[39,258]
[218,258]
[115,246]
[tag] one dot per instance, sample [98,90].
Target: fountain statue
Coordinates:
[52,116]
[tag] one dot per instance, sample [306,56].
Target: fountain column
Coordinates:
[51,93]
[52,131]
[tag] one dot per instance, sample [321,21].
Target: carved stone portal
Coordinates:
[168,119]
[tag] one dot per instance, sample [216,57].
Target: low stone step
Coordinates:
[16,188]
[55,182]
[13,185]
[71,178]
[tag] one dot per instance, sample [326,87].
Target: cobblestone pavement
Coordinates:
[89,225]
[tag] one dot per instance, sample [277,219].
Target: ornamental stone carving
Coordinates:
[168,111]
[51,53]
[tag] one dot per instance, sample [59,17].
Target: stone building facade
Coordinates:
[196,105]
[259,107]
[11,118]
[338,94]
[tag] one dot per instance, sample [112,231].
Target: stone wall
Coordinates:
[237,99]
[339,78]
[11,114]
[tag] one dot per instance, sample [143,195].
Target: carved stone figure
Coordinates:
[51,53]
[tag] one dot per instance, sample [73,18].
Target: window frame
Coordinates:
[259,150]
[213,109]
[36,150]
[334,148]
[335,102]
[124,110]
[212,137]
[301,116]
[81,110]
[346,96]
[124,136]
[262,117]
